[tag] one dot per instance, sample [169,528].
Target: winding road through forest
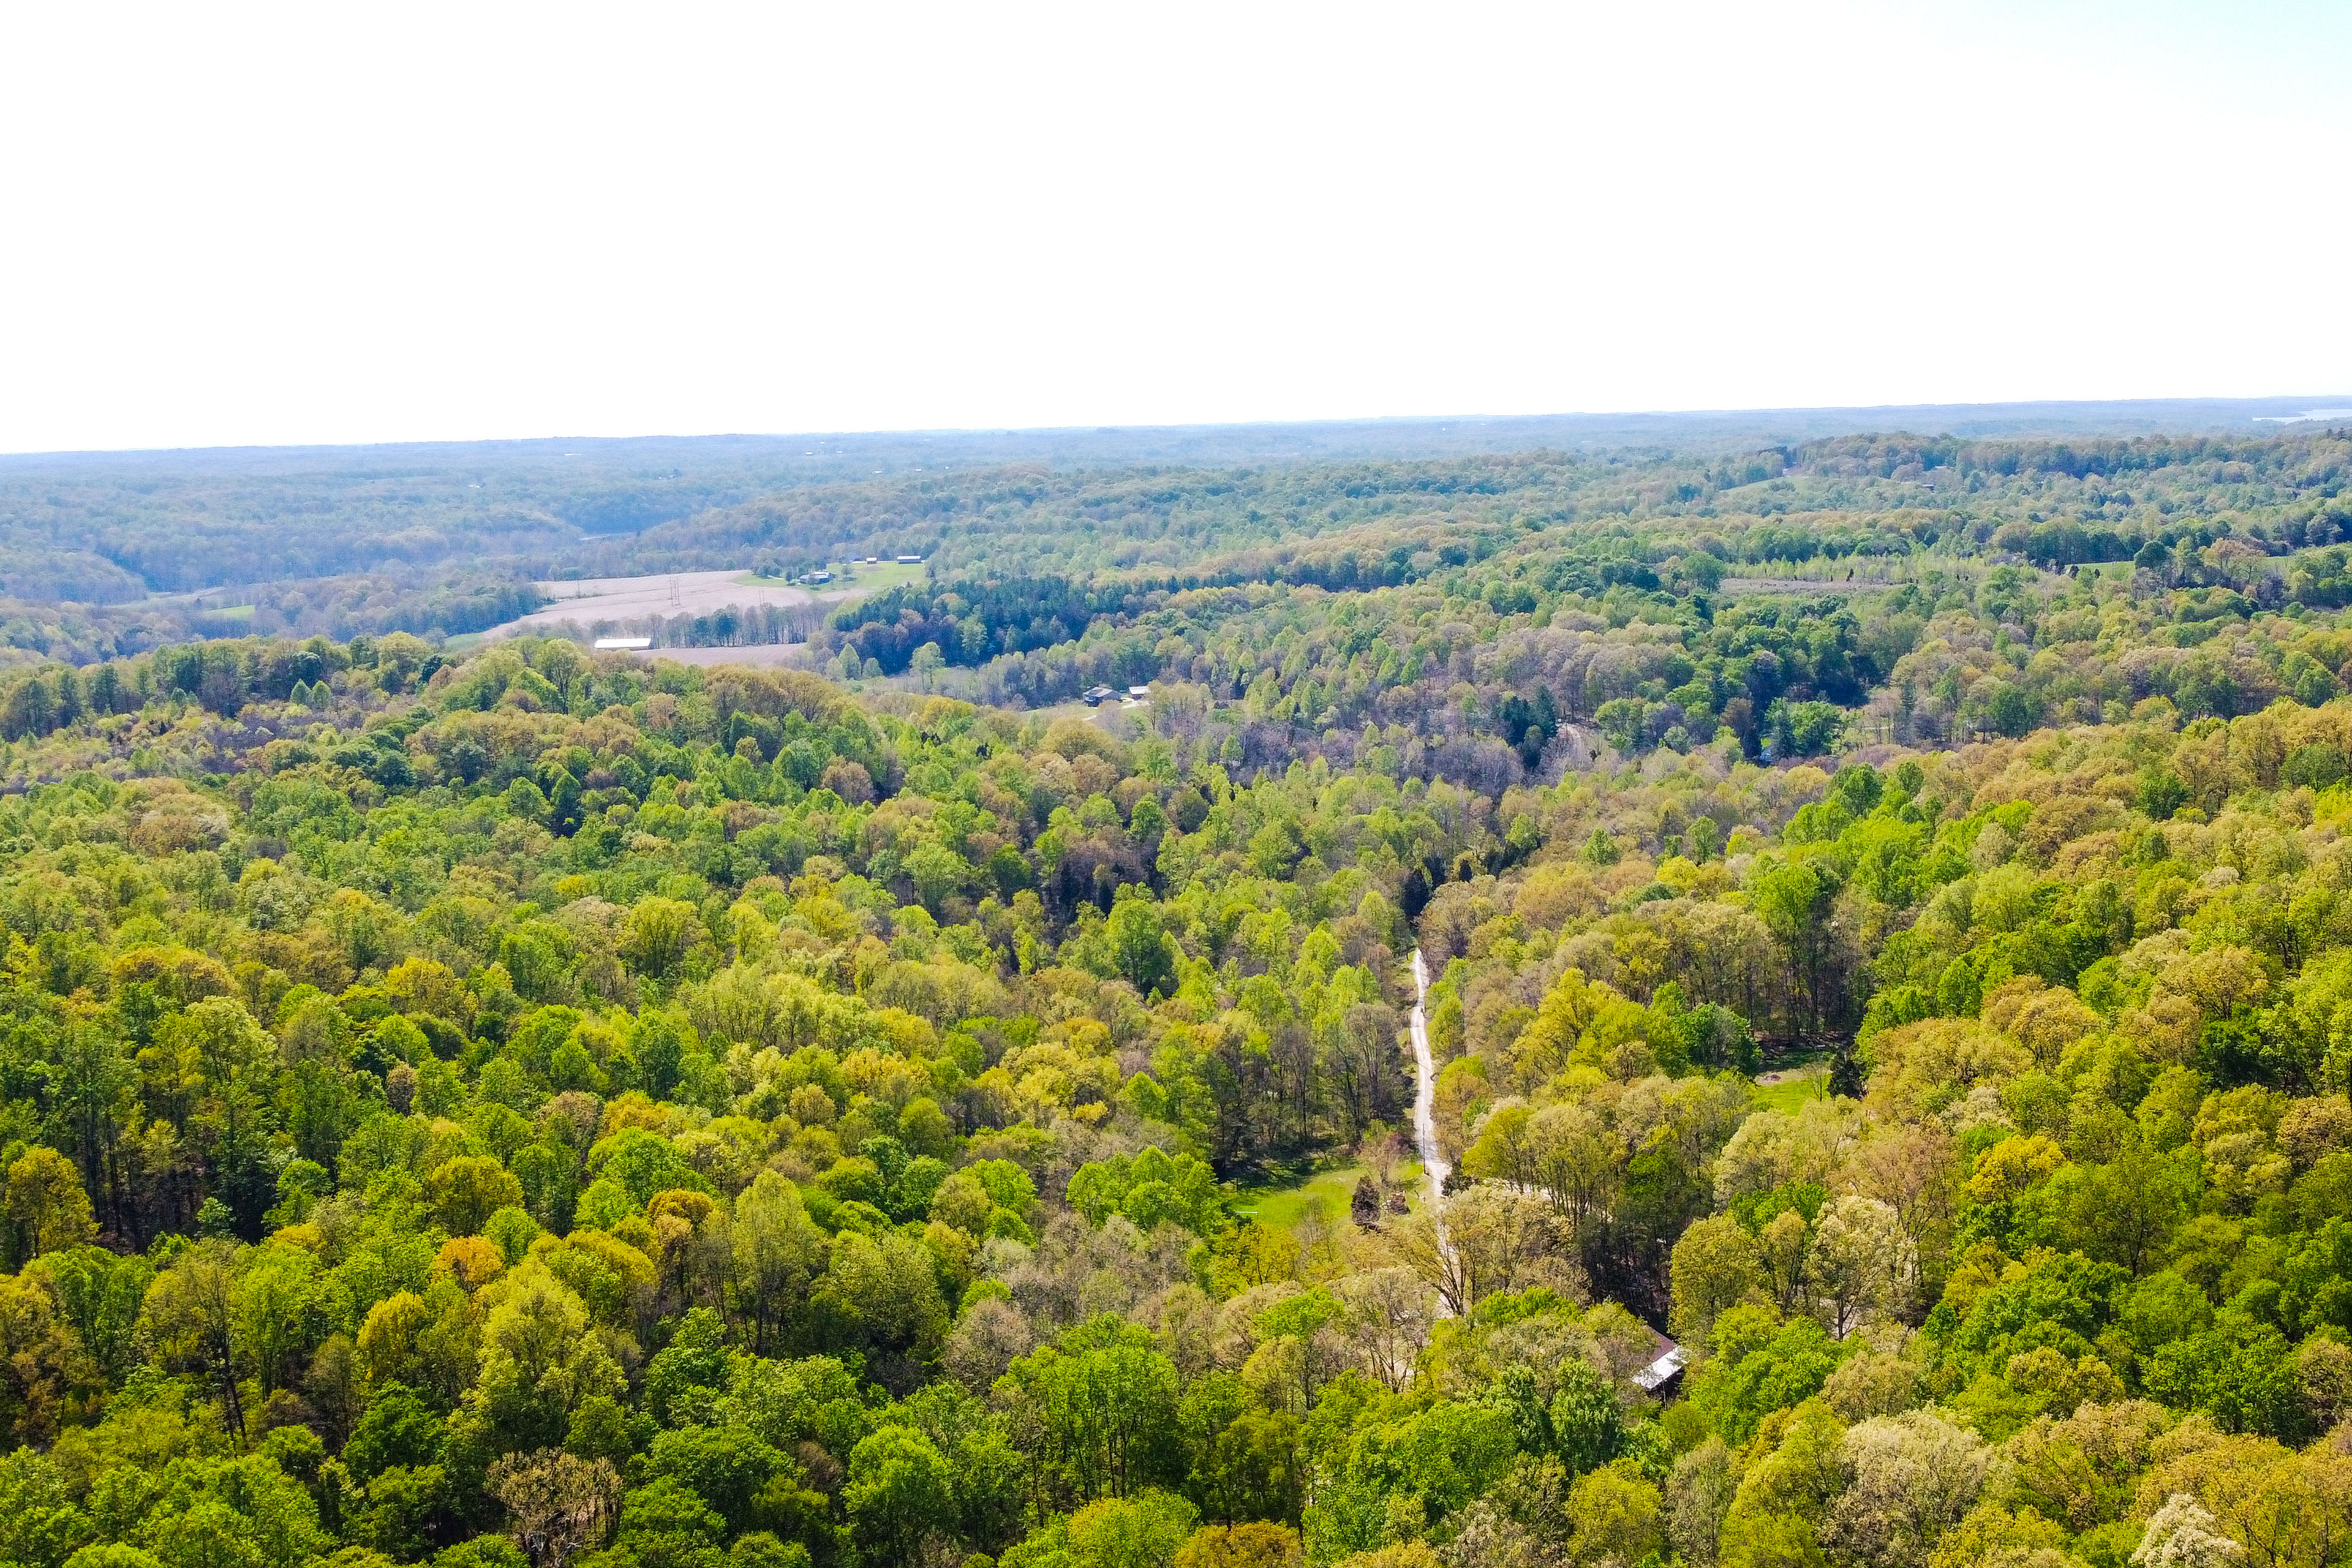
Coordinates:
[1424,1105]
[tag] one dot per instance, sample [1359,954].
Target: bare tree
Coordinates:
[1859,1263]
[1909,1478]
[1389,1311]
[1496,1238]
[556,1503]
[2182,1535]
[989,1337]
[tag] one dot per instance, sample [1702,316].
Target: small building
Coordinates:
[1665,1369]
[816,576]
[623,644]
[1138,693]
[910,561]
[1095,696]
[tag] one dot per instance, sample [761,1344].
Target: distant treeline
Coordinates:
[733,626]
[222,677]
[435,603]
[1885,456]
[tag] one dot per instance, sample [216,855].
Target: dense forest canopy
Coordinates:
[1888,906]
[104,557]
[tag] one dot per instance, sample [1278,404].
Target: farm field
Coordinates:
[594,602]
[590,600]
[850,582]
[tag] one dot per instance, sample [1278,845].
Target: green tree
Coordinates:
[464,1191]
[729,1467]
[779,1252]
[687,1371]
[658,935]
[1618,1515]
[280,1304]
[220,1046]
[46,1207]
[1097,1414]
[399,1429]
[665,1525]
[1257,1544]
[1145,1530]
[190,1317]
[1797,903]
[900,1493]
[539,1363]
[1141,951]
[1716,1266]
[881,1293]
[1587,1424]
[1253,1469]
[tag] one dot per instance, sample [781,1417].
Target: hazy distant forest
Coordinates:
[1887,901]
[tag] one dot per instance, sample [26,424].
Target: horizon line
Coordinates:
[2118,405]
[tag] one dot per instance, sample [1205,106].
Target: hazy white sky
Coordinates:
[257,224]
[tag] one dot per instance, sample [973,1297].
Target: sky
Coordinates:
[272,225]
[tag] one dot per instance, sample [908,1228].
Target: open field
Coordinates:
[595,599]
[848,581]
[1124,719]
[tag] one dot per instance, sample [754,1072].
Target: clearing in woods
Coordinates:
[850,581]
[1789,1082]
[593,602]
[1285,1204]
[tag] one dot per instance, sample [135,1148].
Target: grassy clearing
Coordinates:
[1121,721]
[1797,1080]
[1285,1205]
[862,579]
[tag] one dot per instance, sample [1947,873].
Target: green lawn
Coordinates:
[1805,1079]
[1284,1205]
